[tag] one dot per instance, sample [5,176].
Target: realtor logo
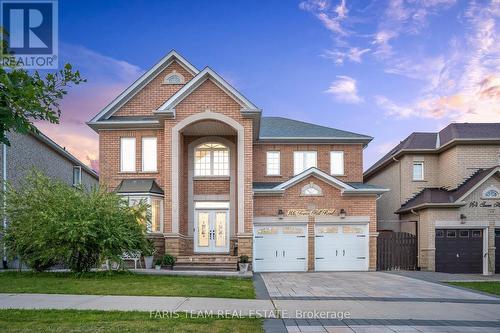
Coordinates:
[31,33]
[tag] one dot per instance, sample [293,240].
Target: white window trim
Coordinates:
[143,155]
[413,170]
[165,79]
[342,154]
[279,163]
[79,182]
[133,154]
[211,150]
[295,153]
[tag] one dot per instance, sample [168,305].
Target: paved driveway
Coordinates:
[359,285]
[376,302]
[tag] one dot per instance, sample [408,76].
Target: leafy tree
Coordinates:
[51,222]
[26,97]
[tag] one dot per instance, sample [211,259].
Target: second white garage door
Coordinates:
[280,249]
[341,248]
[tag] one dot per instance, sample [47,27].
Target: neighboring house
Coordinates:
[223,181]
[36,151]
[445,188]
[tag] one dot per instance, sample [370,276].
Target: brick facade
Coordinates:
[208,96]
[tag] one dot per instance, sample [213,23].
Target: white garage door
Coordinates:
[280,248]
[341,248]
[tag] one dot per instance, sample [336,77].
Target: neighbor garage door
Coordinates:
[459,250]
[280,248]
[341,248]
[497,251]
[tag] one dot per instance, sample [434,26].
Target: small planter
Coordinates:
[243,267]
[148,261]
[158,267]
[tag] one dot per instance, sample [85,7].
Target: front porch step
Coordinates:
[225,268]
[207,262]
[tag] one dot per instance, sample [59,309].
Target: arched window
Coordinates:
[491,192]
[311,189]
[173,78]
[211,159]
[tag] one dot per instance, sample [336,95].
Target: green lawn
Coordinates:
[125,283]
[65,321]
[487,287]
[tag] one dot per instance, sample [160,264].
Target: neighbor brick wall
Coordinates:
[154,94]
[353,160]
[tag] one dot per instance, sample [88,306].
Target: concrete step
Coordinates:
[228,268]
[206,259]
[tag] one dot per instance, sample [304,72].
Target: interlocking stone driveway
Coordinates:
[360,285]
[377,302]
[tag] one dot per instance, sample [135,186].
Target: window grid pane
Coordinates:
[127,154]
[337,162]
[221,163]
[202,163]
[303,160]
[418,169]
[155,215]
[273,163]
[149,156]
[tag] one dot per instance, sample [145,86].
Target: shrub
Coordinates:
[169,260]
[51,222]
[244,259]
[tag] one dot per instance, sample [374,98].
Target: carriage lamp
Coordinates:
[462,218]
[342,213]
[280,214]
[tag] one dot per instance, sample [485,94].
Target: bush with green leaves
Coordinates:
[51,222]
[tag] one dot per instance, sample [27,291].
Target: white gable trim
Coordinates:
[205,74]
[481,182]
[318,173]
[147,77]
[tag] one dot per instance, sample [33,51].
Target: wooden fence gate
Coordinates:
[396,251]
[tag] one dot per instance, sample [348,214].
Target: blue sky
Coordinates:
[382,68]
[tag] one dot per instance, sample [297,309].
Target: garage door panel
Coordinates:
[280,248]
[341,248]
[459,250]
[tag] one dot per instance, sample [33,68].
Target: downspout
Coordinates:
[4,203]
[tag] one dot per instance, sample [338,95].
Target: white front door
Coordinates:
[280,248]
[211,231]
[341,247]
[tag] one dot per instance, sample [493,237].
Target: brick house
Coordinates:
[445,188]
[224,181]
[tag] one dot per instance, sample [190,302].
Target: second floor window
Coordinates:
[273,163]
[337,163]
[303,160]
[127,155]
[418,170]
[77,175]
[149,157]
[211,159]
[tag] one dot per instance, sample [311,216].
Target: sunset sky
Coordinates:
[382,68]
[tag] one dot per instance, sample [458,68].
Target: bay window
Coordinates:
[155,207]
[303,160]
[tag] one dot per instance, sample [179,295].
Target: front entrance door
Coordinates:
[211,231]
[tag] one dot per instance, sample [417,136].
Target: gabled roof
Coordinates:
[279,129]
[142,186]
[429,197]
[168,108]
[346,188]
[436,142]
[133,89]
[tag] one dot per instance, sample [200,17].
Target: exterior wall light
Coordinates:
[462,218]
[280,214]
[343,213]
